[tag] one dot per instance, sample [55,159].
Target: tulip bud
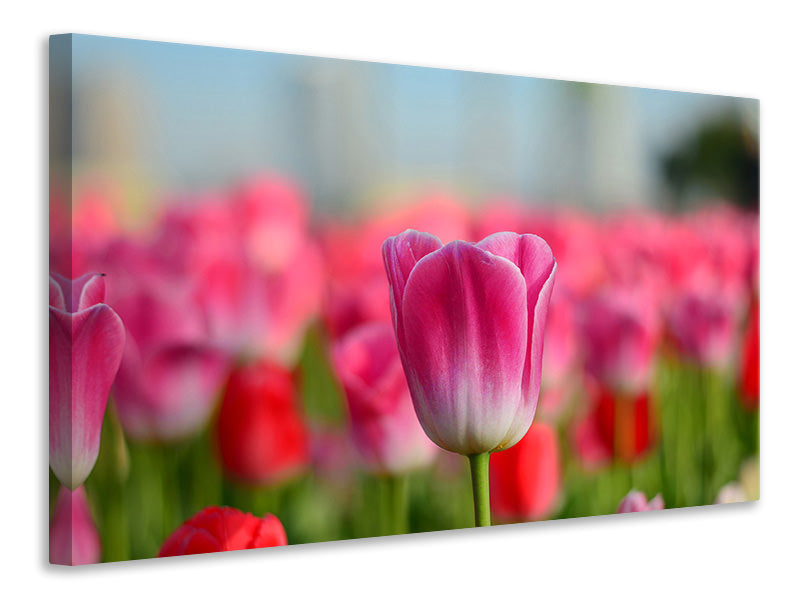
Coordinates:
[86,344]
[219,529]
[637,502]
[524,481]
[261,436]
[385,428]
[469,321]
[73,535]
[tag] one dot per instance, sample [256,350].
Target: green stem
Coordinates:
[479,470]
[399,499]
[110,491]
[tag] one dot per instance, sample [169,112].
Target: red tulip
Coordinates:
[525,479]
[219,529]
[620,427]
[86,344]
[751,362]
[260,432]
[73,536]
[384,425]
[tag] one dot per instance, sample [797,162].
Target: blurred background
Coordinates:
[237,202]
[158,116]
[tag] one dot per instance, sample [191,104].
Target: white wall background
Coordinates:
[716,47]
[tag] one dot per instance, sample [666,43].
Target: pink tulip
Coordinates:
[170,370]
[727,239]
[293,301]
[333,456]
[574,240]
[621,332]
[634,246]
[272,215]
[86,343]
[637,502]
[356,290]
[350,304]
[560,359]
[561,343]
[254,271]
[385,428]
[469,320]
[73,536]
[169,374]
[703,325]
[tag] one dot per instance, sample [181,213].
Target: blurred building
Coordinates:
[171,117]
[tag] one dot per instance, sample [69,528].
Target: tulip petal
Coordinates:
[81,293]
[56,295]
[535,260]
[384,425]
[85,352]
[270,533]
[464,312]
[367,363]
[217,529]
[73,535]
[89,290]
[400,254]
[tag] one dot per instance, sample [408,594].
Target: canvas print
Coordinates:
[296,299]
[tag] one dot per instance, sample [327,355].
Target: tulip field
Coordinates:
[237,369]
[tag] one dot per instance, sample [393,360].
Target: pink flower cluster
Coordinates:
[209,304]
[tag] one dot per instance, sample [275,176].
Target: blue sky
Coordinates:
[205,116]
